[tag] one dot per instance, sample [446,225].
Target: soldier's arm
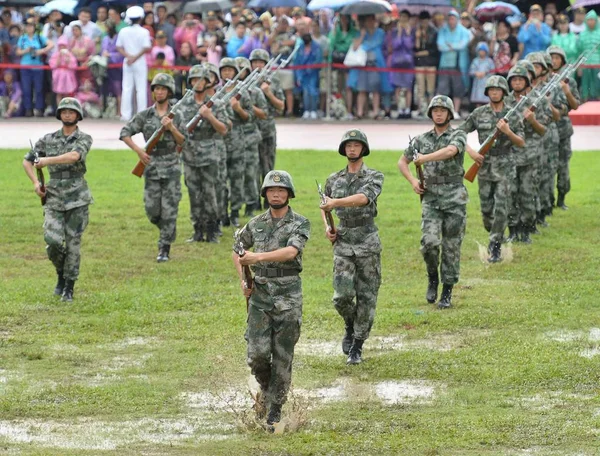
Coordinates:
[295,245]
[132,128]
[405,170]
[573,102]
[260,107]
[457,143]
[535,123]
[217,121]
[272,98]
[29,168]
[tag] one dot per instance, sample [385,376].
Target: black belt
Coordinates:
[443,180]
[159,152]
[275,272]
[498,152]
[65,175]
[355,223]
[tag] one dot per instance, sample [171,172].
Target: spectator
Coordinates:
[148,7]
[11,95]
[258,39]
[101,18]
[188,31]
[64,71]
[371,40]
[267,22]
[283,42]
[426,60]
[161,47]
[53,29]
[550,22]
[164,25]
[550,8]
[401,44]
[588,40]
[504,48]
[114,75]
[535,35]
[14,33]
[323,43]
[160,66]
[340,40]
[4,44]
[467,22]
[236,17]
[481,69]
[88,28]
[185,59]
[438,21]
[172,19]
[115,16]
[149,24]
[31,47]
[309,53]
[6,17]
[566,39]
[453,40]
[578,24]
[82,48]
[214,51]
[237,43]
[325,21]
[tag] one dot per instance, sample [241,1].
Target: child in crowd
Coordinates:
[64,70]
[481,69]
[89,99]
[10,96]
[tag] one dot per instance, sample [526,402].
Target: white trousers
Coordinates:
[135,77]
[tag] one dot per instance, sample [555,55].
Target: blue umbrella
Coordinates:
[64,6]
[276,4]
[315,5]
[416,6]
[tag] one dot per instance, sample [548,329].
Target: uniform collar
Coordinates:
[75,134]
[361,172]
[268,217]
[435,135]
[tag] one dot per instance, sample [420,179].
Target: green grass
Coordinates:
[501,386]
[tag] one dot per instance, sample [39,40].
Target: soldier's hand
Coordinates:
[144,157]
[245,290]
[328,205]
[503,126]
[478,158]
[40,163]
[419,160]
[249,258]
[205,111]
[529,114]
[235,103]
[265,86]
[331,236]
[167,122]
[38,190]
[416,185]
[565,87]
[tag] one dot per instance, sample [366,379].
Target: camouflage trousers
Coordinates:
[547,179]
[266,151]
[564,156]
[62,234]
[161,200]
[250,184]
[443,230]
[356,282]
[523,209]
[495,199]
[236,163]
[222,184]
[201,182]
[272,336]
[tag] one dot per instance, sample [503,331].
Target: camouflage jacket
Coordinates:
[252,133]
[66,189]
[498,164]
[443,195]
[267,126]
[359,240]
[246,102]
[565,127]
[557,99]
[200,147]
[164,160]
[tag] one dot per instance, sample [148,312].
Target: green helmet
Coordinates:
[212,68]
[519,71]
[529,67]
[278,179]
[441,101]
[228,62]
[354,135]
[496,82]
[538,57]
[164,80]
[547,59]
[559,51]
[243,64]
[197,72]
[69,103]
[259,54]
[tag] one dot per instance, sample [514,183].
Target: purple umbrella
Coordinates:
[495,11]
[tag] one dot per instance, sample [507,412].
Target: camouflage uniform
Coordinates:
[275,308]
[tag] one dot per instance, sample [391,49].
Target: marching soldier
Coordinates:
[441,152]
[199,158]
[67,195]
[353,193]
[275,307]
[498,166]
[162,176]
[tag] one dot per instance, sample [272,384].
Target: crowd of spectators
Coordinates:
[425,54]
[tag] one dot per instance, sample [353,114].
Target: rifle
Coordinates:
[238,248]
[491,141]
[40,175]
[419,168]
[328,215]
[245,85]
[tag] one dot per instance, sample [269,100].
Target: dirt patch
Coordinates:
[565,335]
[555,399]
[392,393]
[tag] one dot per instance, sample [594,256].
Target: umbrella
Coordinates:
[495,11]
[584,3]
[264,4]
[367,7]
[64,6]
[18,3]
[315,5]
[416,6]
[204,6]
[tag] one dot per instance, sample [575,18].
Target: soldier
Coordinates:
[497,167]
[240,112]
[353,193]
[523,210]
[200,161]
[162,176]
[275,307]
[275,104]
[252,138]
[441,151]
[67,195]
[565,128]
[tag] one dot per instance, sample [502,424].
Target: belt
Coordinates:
[65,175]
[443,180]
[160,152]
[355,223]
[498,152]
[275,272]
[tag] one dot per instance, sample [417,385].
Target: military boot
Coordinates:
[532,229]
[163,254]
[249,211]
[274,414]
[541,219]
[67,294]
[260,404]
[225,221]
[513,234]
[560,202]
[354,356]
[432,288]
[495,252]
[220,228]
[525,237]
[212,233]
[198,236]
[235,218]
[446,299]
[348,337]
[60,285]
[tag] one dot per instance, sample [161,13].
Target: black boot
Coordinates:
[560,202]
[249,211]
[220,228]
[67,294]
[525,237]
[274,414]
[60,285]
[212,233]
[355,352]
[432,288]
[533,229]
[260,404]
[495,252]
[197,237]
[541,220]
[446,299]
[235,218]
[225,221]
[348,337]
[163,253]
[513,234]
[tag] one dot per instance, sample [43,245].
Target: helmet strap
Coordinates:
[280,206]
[70,124]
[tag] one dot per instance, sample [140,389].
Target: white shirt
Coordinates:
[577,29]
[91,30]
[134,39]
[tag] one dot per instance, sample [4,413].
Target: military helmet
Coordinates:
[529,67]
[441,101]
[278,179]
[538,57]
[547,59]
[519,71]
[197,72]
[496,82]
[243,64]
[228,62]
[69,103]
[212,68]
[354,135]
[558,50]
[165,80]
[259,54]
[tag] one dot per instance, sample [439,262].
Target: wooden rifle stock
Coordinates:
[483,150]
[40,176]
[330,221]
[421,179]
[192,124]
[149,147]
[249,281]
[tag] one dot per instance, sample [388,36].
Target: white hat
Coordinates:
[135,12]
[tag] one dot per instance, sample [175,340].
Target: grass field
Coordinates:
[148,357]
